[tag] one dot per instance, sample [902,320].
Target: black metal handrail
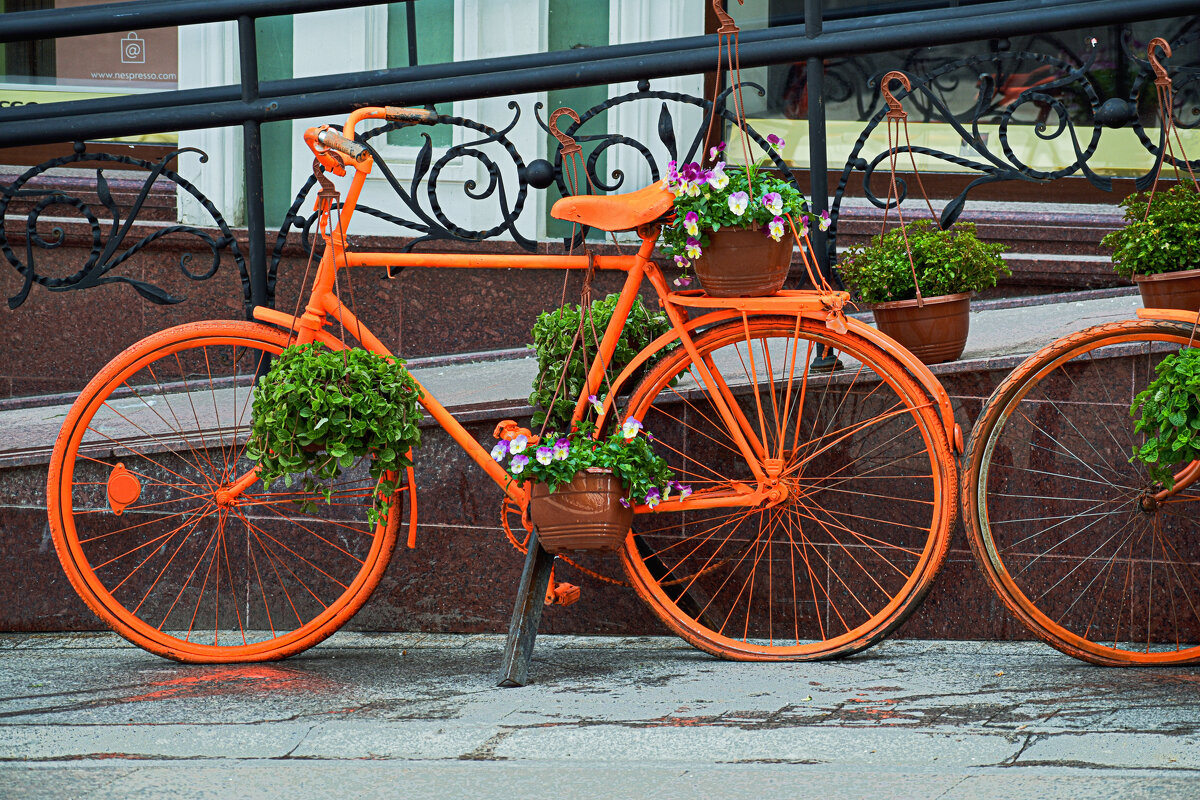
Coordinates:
[252,103]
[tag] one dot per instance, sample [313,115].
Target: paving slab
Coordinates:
[373,714]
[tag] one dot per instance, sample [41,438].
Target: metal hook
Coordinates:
[728,26]
[895,109]
[567,144]
[1160,72]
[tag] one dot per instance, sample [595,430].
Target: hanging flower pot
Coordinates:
[1170,290]
[732,224]
[583,488]
[743,262]
[933,332]
[584,514]
[949,264]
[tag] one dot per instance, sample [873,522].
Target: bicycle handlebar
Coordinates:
[335,141]
[321,140]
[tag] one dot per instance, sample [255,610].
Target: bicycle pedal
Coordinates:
[562,594]
[508,429]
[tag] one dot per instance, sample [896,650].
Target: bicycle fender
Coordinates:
[1169,314]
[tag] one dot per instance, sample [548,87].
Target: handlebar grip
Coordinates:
[335,141]
[408,116]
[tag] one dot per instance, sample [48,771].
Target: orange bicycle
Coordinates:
[819,451]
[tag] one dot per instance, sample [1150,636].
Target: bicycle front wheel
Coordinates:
[1054,510]
[870,493]
[151,544]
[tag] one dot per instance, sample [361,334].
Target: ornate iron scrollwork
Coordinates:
[111,249]
[424,213]
[1058,97]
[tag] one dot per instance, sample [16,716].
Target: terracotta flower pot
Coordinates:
[1170,290]
[743,262]
[934,333]
[585,514]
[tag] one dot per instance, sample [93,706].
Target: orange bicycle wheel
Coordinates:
[1053,505]
[149,545]
[870,503]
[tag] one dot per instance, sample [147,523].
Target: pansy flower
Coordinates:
[653,498]
[561,448]
[825,221]
[500,450]
[683,489]
[738,202]
[518,464]
[630,428]
[545,455]
[693,248]
[683,281]
[518,444]
[717,178]
[596,403]
[716,150]
[691,223]
[775,228]
[775,141]
[774,203]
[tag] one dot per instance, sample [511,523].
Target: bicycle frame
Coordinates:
[323,304]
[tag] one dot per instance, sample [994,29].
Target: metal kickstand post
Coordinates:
[527,614]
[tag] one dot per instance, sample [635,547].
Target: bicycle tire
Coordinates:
[871,483]
[1052,510]
[176,572]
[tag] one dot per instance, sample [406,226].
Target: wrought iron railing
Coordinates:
[814,42]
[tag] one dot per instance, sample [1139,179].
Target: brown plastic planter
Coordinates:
[1170,290]
[743,262]
[934,333]
[585,514]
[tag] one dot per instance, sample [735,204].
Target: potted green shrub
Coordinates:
[949,264]
[1168,412]
[731,225]
[1160,250]
[557,353]
[317,411]
[584,489]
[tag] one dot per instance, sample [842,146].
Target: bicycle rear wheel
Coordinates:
[1053,506]
[153,548]
[870,483]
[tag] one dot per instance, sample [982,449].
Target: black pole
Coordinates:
[256,225]
[516,75]
[817,158]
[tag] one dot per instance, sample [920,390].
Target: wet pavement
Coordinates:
[87,715]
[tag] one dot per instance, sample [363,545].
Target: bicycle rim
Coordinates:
[870,495]
[1053,503]
[138,525]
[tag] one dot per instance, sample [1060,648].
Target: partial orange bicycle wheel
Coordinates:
[870,494]
[158,553]
[1054,508]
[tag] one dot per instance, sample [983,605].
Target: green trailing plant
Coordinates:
[317,411]
[556,460]
[1168,412]
[553,334]
[1165,240]
[946,262]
